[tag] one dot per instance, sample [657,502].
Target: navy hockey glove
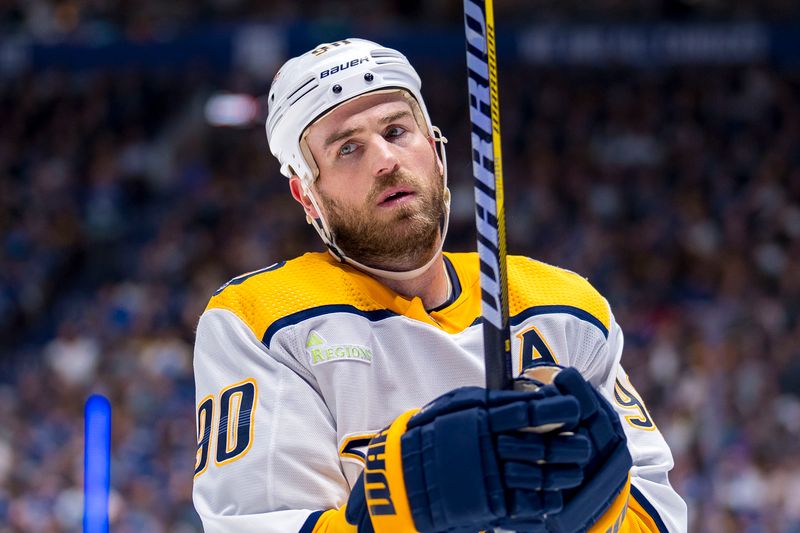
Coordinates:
[466,462]
[600,502]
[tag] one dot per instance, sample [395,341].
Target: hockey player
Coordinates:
[310,373]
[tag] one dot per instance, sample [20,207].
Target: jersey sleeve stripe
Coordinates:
[244,277]
[552,309]
[311,522]
[649,509]
[381,314]
[560,309]
[300,316]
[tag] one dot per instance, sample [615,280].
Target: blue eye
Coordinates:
[347,148]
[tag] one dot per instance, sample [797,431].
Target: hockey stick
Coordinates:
[484,113]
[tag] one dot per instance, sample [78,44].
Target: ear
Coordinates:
[299,194]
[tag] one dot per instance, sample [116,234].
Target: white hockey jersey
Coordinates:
[298,365]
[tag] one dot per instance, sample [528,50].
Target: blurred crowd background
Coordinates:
[674,188]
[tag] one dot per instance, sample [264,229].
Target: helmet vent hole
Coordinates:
[304,85]
[388,56]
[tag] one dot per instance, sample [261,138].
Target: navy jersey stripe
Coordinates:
[381,314]
[553,309]
[560,309]
[647,506]
[241,279]
[311,522]
[300,316]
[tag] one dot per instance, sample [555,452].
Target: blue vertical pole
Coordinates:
[96,464]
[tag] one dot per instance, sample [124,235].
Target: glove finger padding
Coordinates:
[606,474]
[465,461]
[549,448]
[460,496]
[543,462]
[527,505]
[562,411]
[542,477]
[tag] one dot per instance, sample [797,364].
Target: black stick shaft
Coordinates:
[484,111]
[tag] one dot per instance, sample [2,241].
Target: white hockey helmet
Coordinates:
[309,86]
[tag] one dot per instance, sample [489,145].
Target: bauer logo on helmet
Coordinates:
[344,66]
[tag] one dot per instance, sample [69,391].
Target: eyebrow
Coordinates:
[341,134]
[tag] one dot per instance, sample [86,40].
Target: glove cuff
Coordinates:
[384,485]
[612,519]
[333,521]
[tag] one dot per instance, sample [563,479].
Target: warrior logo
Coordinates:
[483,162]
[379,498]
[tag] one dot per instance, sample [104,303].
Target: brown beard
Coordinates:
[404,242]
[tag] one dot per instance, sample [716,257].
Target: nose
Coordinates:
[385,160]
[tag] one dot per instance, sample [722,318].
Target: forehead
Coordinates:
[363,108]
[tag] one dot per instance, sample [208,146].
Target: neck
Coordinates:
[431,286]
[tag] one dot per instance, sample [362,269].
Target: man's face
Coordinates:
[380,181]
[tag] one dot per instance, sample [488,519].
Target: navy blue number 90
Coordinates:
[234,435]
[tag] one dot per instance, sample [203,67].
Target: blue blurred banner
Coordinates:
[666,44]
[255,48]
[97,464]
[261,48]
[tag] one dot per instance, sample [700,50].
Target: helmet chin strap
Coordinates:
[322,228]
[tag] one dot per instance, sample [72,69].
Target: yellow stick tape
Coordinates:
[494,90]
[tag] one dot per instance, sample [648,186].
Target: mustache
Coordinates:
[397,178]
